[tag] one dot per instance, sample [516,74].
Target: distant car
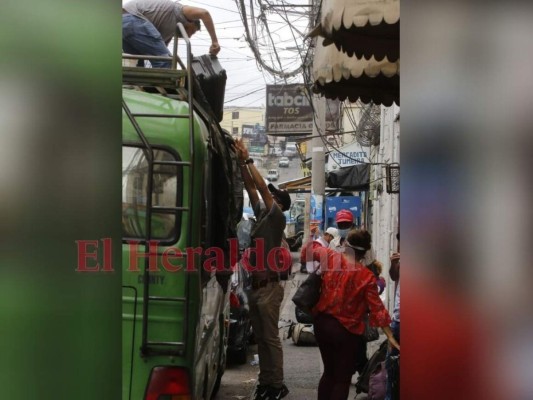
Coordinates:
[290,151]
[273,175]
[283,162]
[239,323]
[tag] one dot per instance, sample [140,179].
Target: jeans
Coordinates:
[141,37]
[393,391]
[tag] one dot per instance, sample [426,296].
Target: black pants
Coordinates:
[342,353]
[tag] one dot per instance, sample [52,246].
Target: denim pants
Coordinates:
[141,37]
[393,393]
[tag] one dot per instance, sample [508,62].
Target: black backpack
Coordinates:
[364,377]
[303,317]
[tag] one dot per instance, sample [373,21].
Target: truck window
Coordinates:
[166,193]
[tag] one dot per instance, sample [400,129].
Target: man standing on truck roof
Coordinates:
[266,293]
[149,25]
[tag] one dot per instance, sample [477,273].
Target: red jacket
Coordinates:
[349,292]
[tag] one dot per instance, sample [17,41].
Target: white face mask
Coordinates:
[343,233]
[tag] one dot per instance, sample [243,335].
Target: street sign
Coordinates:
[289,112]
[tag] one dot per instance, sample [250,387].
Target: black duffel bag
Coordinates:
[308,293]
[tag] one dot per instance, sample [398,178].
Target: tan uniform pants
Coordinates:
[265,306]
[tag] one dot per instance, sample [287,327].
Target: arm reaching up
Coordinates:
[253,181]
[195,13]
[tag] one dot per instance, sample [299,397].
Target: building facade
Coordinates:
[385,214]
[239,120]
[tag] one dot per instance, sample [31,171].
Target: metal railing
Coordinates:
[156,76]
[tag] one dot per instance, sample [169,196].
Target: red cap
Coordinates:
[344,216]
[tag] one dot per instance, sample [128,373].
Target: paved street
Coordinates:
[285,174]
[303,365]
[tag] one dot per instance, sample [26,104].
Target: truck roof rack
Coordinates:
[160,80]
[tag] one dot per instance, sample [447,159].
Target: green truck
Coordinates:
[177,205]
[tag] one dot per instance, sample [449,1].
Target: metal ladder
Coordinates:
[165,78]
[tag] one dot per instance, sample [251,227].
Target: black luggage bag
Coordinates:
[377,358]
[212,79]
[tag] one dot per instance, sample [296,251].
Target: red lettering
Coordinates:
[132,266]
[279,259]
[218,260]
[259,252]
[191,251]
[83,255]
[171,253]
[152,256]
[108,263]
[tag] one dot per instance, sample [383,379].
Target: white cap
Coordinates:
[332,231]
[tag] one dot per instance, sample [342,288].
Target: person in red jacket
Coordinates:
[349,291]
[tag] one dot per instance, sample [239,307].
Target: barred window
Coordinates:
[166,192]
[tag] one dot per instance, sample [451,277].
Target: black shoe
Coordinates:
[261,392]
[277,393]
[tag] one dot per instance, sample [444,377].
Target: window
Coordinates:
[235,131]
[167,180]
[235,115]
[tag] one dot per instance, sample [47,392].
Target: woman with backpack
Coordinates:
[348,291]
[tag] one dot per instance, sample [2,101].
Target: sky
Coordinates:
[246,83]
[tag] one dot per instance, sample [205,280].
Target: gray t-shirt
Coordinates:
[269,227]
[164,14]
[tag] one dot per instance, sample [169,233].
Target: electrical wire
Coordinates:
[255,50]
[244,95]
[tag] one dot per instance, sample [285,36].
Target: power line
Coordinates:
[212,6]
[253,47]
[245,95]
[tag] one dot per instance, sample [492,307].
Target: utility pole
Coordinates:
[318,167]
[316,202]
[318,184]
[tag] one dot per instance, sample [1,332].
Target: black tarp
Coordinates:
[356,177]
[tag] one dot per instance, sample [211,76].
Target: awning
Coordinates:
[339,76]
[297,185]
[362,27]
[357,55]
[354,178]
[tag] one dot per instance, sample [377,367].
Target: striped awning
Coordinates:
[339,76]
[357,53]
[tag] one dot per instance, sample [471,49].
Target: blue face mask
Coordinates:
[343,232]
